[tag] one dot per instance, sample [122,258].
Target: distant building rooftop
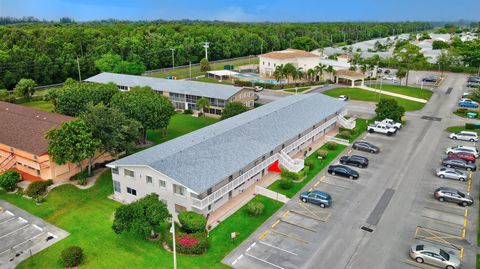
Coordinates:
[205,157]
[211,90]
[24,128]
[288,54]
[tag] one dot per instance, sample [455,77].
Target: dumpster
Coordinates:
[472,115]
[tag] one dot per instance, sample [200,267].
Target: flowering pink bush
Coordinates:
[186,241]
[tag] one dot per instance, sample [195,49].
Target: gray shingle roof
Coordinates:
[201,159]
[204,89]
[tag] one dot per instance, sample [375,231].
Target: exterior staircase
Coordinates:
[293,165]
[346,123]
[7,163]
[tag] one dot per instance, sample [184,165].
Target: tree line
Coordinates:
[52,52]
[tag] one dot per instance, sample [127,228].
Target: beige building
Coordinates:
[183,94]
[299,58]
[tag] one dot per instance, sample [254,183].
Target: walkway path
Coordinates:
[393,94]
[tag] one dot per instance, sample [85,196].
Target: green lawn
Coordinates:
[185,72]
[462,112]
[40,105]
[212,80]
[363,95]
[87,216]
[318,166]
[180,124]
[360,127]
[409,91]
[298,90]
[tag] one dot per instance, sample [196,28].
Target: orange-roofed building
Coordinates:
[23,146]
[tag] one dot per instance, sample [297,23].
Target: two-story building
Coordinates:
[183,94]
[23,146]
[202,170]
[299,58]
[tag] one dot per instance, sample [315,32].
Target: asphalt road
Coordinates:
[375,219]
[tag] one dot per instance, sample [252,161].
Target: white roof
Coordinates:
[223,73]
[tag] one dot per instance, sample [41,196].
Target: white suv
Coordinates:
[467,149]
[465,135]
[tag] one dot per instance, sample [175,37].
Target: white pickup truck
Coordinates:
[381,128]
[390,123]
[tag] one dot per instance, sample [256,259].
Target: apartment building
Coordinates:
[23,146]
[183,94]
[202,170]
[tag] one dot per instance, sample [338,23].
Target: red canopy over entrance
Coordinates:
[274,168]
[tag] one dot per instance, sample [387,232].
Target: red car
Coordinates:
[468,157]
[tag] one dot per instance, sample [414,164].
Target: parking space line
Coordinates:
[251,246]
[272,246]
[17,245]
[299,225]
[445,211]
[276,223]
[9,213]
[236,260]
[419,265]
[317,217]
[350,151]
[21,228]
[461,253]
[262,260]
[263,235]
[285,214]
[436,236]
[455,225]
[335,185]
[290,236]
[7,220]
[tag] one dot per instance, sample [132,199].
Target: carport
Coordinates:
[349,75]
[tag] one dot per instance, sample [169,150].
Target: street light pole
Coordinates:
[172,230]
[206,46]
[190,65]
[173,57]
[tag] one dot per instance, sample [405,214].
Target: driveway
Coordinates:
[375,219]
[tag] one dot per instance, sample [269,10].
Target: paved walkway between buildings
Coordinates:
[393,94]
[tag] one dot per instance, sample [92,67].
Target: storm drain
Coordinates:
[449,90]
[367,229]
[431,118]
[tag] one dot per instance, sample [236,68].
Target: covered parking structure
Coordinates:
[349,75]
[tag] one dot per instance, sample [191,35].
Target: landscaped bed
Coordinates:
[462,112]
[456,129]
[360,127]
[318,165]
[369,96]
[409,91]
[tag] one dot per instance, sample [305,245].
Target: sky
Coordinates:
[246,10]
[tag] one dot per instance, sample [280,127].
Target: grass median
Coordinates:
[408,91]
[318,166]
[369,96]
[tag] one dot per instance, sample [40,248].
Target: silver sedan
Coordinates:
[451,173]
[434,256]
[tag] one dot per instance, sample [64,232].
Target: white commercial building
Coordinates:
[202,170]
[299,58]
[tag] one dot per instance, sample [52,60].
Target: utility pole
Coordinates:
[173,57]
[79,74]
[206,46]
[261,47]
[190,65]
[172,230]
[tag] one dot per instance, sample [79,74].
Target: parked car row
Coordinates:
[386,126]
[473,82]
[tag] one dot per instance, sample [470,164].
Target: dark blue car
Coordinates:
[320,198]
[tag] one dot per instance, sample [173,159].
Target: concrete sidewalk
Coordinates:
[393,94]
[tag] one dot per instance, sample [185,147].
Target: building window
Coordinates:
[128,173]
[271,153]
[116,186]
[149,179]
[131,191]
[162,183]
[178,189]
[179,208]
[115,170]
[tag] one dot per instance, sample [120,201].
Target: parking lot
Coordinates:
[22,235]
[374,220]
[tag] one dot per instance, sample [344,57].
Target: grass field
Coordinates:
[212,80]
[318,166]
[87,216]
[298,90]
[363,95]
[185,72]
[409,91]
[40,105]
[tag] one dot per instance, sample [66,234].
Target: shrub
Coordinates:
[81,177]
[192,222]
[309,163]
[471,126]
[286,184]
[9,179]
[305,170]
[188,111]
[37,188]
[344,135]
[331,146]
[40,199]
[322,153]
[72,256]
[255,208]
[290,175]
[194,243]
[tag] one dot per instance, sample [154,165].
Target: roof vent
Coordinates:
[44,118]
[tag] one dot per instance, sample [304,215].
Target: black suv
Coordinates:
[459,163]
[354,160]
[342,170]
[365,146]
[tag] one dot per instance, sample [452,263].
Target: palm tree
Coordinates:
[311,74]
[356,59]
[202,104]
[298,74]
[289,71]
[331,70]
[279,72]
[319,71]
[364,68]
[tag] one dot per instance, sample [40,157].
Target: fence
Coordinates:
[196,64]
[271,194]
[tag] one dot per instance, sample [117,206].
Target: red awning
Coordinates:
[274,168]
